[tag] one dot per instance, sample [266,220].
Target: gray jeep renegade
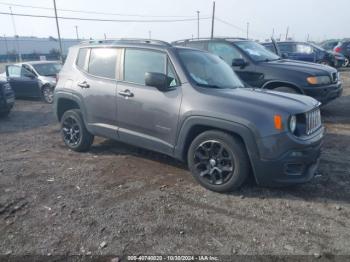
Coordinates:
[190,105]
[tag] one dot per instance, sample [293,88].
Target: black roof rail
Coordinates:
[126,40]
[209,38]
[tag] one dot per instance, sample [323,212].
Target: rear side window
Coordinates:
[197,45]
[137,62]
[103,62]
[81,60]
[225,51]
[304,49]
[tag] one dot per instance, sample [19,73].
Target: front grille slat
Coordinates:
[313,121]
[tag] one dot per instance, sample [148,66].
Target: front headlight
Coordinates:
[318,80]
[292,123]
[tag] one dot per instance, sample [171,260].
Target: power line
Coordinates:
[107,20]
[229,24]
[88,12]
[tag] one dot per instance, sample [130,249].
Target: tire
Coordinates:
[347,62]
[205,160]
[74,133]
[47,94]
[286,89]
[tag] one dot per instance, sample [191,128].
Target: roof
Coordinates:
[38,62]
[126,41]
[230,39]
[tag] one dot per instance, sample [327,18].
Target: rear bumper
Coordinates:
[293,162]
[325,94]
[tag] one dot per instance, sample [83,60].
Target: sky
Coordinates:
[321,19]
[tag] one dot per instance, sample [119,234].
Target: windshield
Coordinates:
[257,52]
[208,70]
[47,69]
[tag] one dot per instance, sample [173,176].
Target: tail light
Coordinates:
[337,49]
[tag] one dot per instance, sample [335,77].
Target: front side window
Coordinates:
[256,52]
[47,69]
[208,70]
[137,62]
[286,48]
[225,51]
[103,62]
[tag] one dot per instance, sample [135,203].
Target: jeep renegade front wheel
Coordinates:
[74,133]
[218,161]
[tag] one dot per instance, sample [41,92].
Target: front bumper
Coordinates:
[286,161]
[7,101]
[324,94]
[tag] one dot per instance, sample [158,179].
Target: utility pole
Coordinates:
[198,24]
[76,31]
[212,21]
[273,33]
[308,37]
[58,31]
[248,30]
[149,34]
[7,49]
[287,33]
[104,35]
[16,36]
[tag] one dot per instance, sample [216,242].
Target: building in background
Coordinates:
[32,48]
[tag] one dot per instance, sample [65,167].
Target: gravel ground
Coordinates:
[119,199]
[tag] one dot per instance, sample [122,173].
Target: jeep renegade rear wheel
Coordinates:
[218,161]
[74,133]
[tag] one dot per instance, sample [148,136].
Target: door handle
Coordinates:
[126,93]
[84,84]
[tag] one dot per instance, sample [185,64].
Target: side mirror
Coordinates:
[158,80]
[284,55]
[239,62]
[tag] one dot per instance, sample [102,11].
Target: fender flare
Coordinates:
[248,136]
[69,96]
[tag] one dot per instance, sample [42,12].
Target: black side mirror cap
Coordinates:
[285,55]
[239,62]
[157,80]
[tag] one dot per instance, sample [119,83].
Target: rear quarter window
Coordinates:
[81,59]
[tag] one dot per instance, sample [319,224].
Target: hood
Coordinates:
[300,66]
[267,99]
[48,80]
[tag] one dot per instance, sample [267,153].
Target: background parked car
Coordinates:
[259,67]
[307,52]
[7,98]
[343,48]
[329,44]
[34,79]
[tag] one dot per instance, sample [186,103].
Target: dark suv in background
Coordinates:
[188,104]
[343,48]
[308,52]
[261,68]
[7,98]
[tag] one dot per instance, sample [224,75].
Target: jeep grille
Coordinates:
[313,121]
